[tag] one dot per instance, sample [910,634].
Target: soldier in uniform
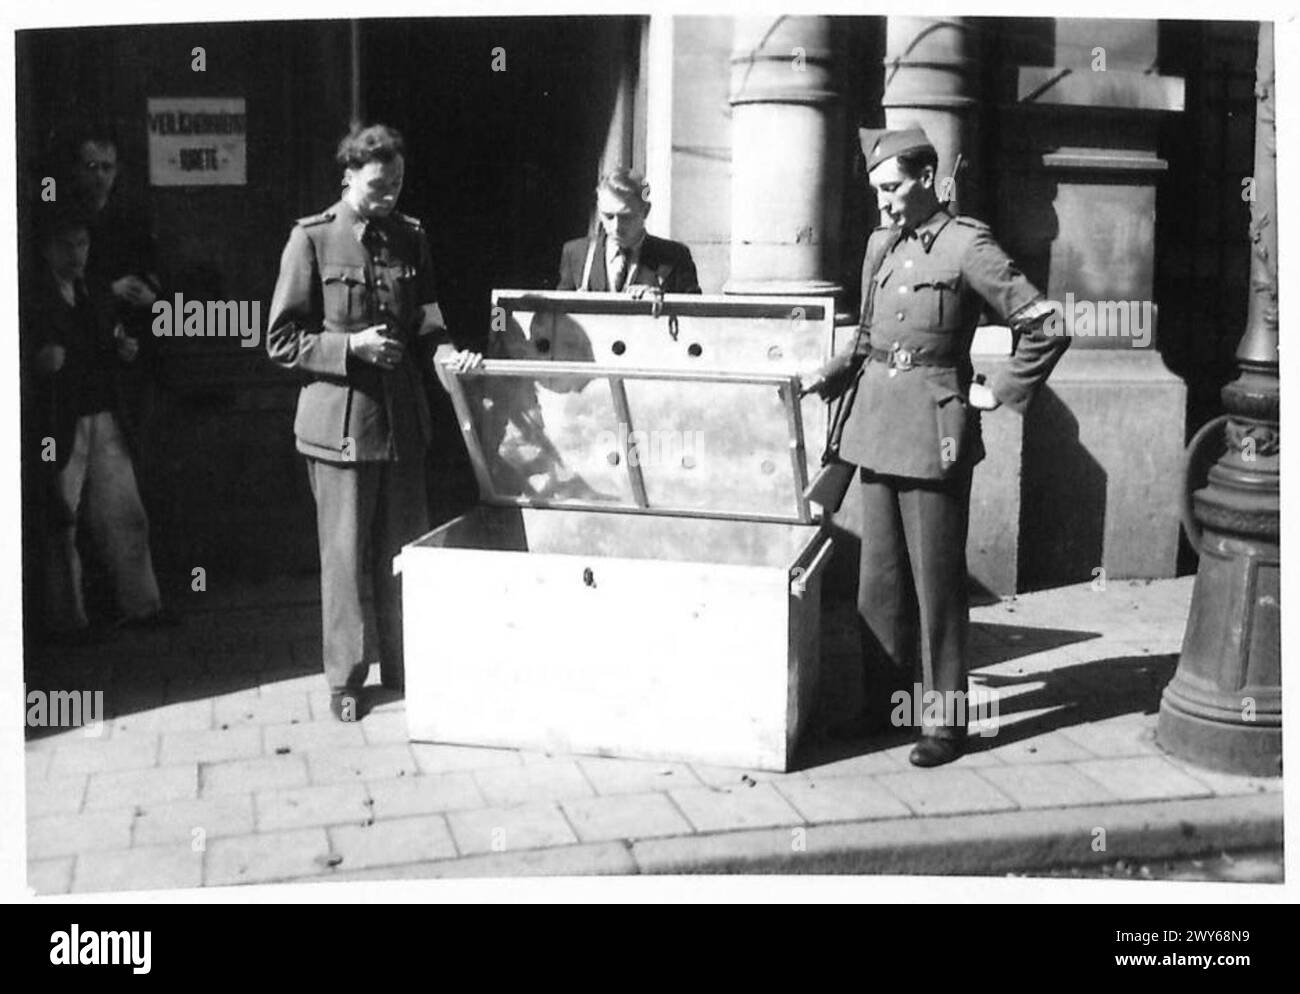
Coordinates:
[355,309]
[913,428]
[622,257]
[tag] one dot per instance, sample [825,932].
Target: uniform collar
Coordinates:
[928,230]
[355,221]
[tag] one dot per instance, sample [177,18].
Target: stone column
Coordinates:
[786,142]
[1223,708]
[931,80]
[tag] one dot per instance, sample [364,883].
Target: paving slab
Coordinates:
[65,835]
[262,858]
[79,754]
[185,716]
[241,776]
[947,791]
[250,707]
[123,788]
[361,763]
[425,794]
[50,876]
[1124,735]
[1050,747]
[142,868]
[1047,785]
[302,807]
[56,795]
[712,809]
[630,776]
[555,780]
[383,727]
[307,736]
[417,839]
[822,799]
[193,822]
[497,830]
[625,816]
[211,746]
[1143,778]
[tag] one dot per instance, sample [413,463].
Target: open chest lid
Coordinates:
[594,435]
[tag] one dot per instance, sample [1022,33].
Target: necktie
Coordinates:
[620,270]
[373,239]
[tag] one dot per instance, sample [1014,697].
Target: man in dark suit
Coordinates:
[355,310]
[76,347]
[623,257]
[913,428]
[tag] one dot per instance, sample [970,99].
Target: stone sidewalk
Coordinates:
[218,763]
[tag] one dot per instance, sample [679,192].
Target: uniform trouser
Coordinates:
[913,605]
[365,513]
[99,475]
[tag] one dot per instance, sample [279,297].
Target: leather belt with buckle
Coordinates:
[899,358]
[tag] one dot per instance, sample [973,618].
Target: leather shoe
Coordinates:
[932,750]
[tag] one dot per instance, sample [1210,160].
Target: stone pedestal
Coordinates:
[1075,207]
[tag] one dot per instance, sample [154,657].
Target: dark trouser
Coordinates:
[912,598]
[365,513]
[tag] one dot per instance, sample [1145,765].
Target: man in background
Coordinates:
[623,257]
[122,254]
[74,347]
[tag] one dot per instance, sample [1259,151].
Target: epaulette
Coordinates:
[312,219]
[970,222]
[407,219]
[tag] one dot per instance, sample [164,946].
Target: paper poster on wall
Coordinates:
[197,141]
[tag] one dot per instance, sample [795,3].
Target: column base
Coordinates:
[1229,747]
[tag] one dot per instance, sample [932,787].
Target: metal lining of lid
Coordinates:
[590,436]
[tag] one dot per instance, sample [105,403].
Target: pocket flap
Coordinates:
[940,279]
[943,390]
[352,275]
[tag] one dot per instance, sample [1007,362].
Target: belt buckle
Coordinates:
[900,358]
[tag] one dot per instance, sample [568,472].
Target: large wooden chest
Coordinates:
[642,575]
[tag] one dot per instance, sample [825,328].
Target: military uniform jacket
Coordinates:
[663,263]
[910,416]
[331,285]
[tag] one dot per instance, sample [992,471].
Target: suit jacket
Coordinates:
[663,263]
[924,301]
[331,286]
[54,401]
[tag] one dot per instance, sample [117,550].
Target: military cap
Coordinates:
[879,144]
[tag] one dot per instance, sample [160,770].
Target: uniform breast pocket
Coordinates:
[936,298]
[343,289]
